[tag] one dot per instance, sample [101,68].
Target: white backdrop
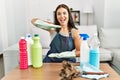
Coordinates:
[3,26]
[15,15]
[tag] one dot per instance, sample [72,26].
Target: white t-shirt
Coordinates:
[67,35]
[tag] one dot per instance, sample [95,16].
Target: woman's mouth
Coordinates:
[62,21]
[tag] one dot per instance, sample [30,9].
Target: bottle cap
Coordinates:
[36,35]
[28,35]
[22,38]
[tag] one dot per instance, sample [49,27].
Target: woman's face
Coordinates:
[62,16]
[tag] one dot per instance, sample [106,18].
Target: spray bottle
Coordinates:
[84,50]
[94,51]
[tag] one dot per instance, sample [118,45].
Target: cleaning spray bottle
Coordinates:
[94,51]
[84,50]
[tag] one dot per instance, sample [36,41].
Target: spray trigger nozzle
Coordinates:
[84,36]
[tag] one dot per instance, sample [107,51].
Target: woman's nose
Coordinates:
[61,15]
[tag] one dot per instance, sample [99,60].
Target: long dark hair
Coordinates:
[70,21]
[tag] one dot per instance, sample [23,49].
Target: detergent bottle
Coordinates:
[94,51]
[23,57]
[36,52]
[84,50]
[29,43]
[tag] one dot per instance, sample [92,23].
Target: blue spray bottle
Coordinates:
[84,50]
[94,51]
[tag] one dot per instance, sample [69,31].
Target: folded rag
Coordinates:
[96,77]
[67,54]
[44,25]
[90,68]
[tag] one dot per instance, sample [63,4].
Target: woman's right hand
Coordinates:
[33,20]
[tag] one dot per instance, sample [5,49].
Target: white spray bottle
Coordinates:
[84,50]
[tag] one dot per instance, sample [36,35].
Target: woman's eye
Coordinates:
[58,13]
[64,13]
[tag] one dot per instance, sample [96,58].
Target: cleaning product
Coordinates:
[94,51]
[23,53]
[84,50]
[36,52]
[29,43]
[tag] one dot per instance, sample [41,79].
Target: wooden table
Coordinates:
[50,71]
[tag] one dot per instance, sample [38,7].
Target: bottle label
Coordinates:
[94,58]
[23,54]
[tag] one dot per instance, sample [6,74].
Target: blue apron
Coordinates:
[60,44]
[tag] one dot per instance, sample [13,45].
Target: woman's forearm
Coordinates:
[77,53]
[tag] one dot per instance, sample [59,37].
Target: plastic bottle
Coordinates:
[29,43]
[94,51]
[23,53]
[36,50]
[84,51]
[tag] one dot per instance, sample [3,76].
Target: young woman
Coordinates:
[64,39]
